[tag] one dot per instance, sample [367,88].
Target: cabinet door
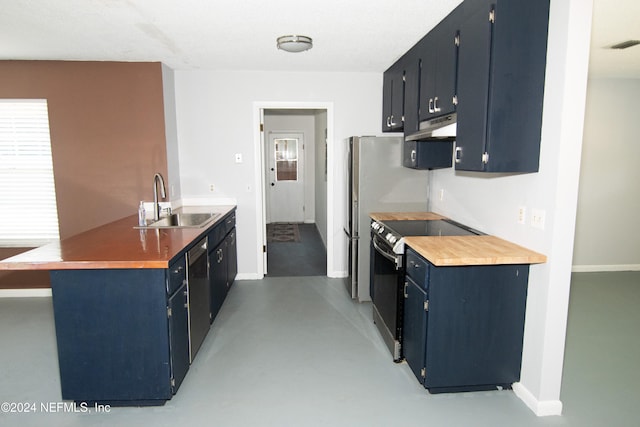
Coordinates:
[413,65]
[232,257]
[474,55]
[446,67]
[178,337]
[414,341]
[438,76]
[218,277]
[393,98]
[501,71]
[428,54]
[387,88]
[476,324]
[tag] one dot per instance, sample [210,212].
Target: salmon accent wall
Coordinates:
[107,133]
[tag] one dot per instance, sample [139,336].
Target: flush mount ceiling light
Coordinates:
[294,43]
[625,44]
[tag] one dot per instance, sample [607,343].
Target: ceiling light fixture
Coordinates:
[294,43]
[626,44]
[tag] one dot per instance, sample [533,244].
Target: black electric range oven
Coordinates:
[388,271]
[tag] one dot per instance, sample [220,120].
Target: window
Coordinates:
[29,216]
[286,159]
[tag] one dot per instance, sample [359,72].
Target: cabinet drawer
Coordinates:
[177,275]
[229,223]
[216,235]
[418,269]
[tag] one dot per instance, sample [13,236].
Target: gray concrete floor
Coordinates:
[296,351]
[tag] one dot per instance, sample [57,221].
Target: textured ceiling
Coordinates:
[349,35]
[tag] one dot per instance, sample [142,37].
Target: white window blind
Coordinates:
[28,212]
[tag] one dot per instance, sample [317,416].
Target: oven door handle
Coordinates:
[394,258]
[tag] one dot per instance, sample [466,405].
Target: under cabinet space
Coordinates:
[433,154]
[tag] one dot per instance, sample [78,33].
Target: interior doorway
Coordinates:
[294,191]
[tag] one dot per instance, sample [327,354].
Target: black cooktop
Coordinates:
[428,228]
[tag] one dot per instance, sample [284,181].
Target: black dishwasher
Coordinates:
[198,289]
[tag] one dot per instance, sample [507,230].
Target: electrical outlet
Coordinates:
[212,188]
[522,215]
[538,218]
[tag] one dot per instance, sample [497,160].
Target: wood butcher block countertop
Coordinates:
[472,250]
[461,250]
[115,245]
[405,216]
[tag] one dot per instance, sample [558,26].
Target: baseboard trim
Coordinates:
[248,276]
[25,293]
[611,267]
[542,408]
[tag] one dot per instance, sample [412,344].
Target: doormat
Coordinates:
[282,232]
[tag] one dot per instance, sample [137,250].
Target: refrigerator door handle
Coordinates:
[349,235]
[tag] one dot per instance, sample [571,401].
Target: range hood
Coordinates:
[438,129]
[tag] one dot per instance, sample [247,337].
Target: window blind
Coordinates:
[28,212]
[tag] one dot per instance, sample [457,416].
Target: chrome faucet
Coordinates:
[156,205]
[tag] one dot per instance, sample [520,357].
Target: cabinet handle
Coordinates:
[431,110]
[413,156]
[388,121]
[406,294]
[435,105]
[458,154]
[178,270]
[392,122]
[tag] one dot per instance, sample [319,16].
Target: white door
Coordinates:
[285,177]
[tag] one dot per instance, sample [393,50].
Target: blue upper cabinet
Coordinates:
[500,85]
[486,62]
[439,53]
[393,98]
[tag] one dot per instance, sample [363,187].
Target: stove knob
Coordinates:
[392,239]
[375,225]
[381,229]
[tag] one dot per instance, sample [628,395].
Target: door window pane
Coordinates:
[286,152]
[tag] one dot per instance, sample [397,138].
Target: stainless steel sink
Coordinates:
[183,220]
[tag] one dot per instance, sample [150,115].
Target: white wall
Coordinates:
[215,113]
[321,176]
[304,124]
[609,195]
[171,133]
[490,203]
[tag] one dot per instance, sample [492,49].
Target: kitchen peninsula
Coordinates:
[128,303]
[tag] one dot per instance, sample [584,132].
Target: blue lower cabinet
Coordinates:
[122,340]
[415,327]
[178,336]
[218,277]
[113,336]
[223,261]
[466,333]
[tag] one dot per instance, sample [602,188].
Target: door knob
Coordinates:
[272,184]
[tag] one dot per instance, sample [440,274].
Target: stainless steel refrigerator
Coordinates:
[376,182]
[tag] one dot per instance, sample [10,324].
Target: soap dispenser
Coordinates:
[142,215]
